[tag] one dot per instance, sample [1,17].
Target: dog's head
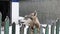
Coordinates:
[29,18]
[32,16]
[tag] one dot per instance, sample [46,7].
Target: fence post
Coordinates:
[0,21]
[6,25]
[29,31]
[47,30]
[35,30]
[22,29]
[57,26]
[52,28]
[13,28]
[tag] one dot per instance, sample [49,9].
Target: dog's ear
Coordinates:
[35,13]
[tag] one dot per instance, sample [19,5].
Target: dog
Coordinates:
[31,20]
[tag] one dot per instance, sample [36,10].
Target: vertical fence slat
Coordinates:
[47,30]
[52,28]
[13,28]
[22,29]
[57,26]
[6,25]
[0,21]
[35,30]
[29,31]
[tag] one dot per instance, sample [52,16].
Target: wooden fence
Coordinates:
[6,27]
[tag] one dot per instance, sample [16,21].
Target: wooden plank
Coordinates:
[52,28]
[13,28]
[47,30]
[57,26]
[6,26]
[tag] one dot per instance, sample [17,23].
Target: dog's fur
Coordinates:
[32,20]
